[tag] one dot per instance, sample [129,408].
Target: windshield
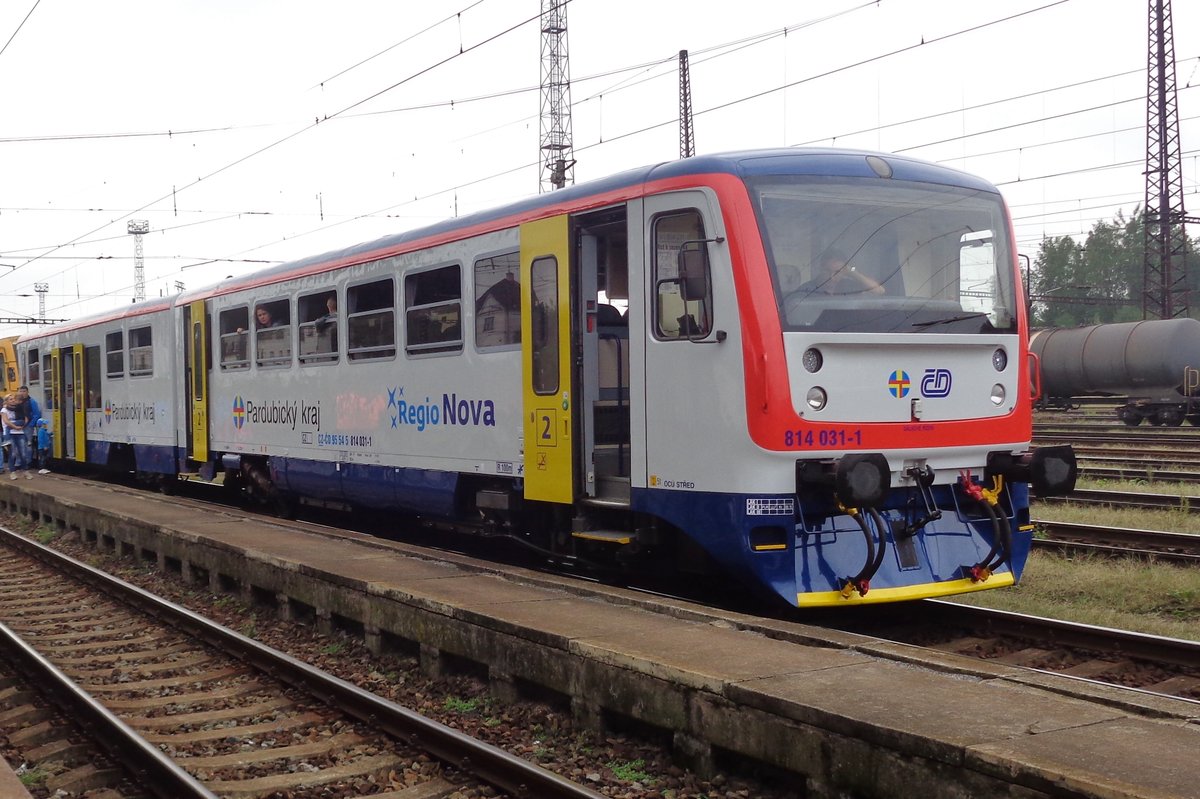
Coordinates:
[874,255]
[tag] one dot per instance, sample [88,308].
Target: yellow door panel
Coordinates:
[80,403]
[56,394]
[546,360]
[198,361]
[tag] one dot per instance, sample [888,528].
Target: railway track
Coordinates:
[1126,499]
[1146,663]
[196,710]
[1118,542]
[1166,667]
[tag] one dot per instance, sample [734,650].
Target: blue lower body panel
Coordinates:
[807,556]
[422,491]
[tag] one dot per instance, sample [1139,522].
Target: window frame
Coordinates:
[147,348]
[283,360]
[444,346]
[375,352]
[118,352]
[34,374]
[319,357]
[480,321]
[658,280]
[234,364]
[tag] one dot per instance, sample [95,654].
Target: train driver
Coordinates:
[834,276]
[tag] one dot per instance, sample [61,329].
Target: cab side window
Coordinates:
[678,314]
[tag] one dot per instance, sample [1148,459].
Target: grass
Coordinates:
[630,771]
[44,534]
[1154,598]
[1143,485]
[34,777]
[1172,521]
[460,705]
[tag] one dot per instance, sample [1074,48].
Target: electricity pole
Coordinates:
[557,151]
[1165,289]
[139,228]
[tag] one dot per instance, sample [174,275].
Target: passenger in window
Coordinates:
[330,316]
[834,276]
[327,326]
[264,318]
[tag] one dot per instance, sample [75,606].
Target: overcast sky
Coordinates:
[201,116]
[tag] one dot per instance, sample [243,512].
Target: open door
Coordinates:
[546,361]
[196,375]
[70,405]
[76,406]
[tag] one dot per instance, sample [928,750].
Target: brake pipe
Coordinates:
[861,583]
[989,500]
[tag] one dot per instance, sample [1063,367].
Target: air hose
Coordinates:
[862,581]
[1001,549]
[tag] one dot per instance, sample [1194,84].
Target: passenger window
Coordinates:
[33,373]
[92,358]
[318,315]
[114,354]
[498,301]
[234,333]
[371,320]
[433,308]
[675,318]
[141,352]
[273,333]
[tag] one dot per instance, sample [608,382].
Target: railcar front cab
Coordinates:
[899,307]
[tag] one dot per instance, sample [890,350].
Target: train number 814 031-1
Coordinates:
[823,438]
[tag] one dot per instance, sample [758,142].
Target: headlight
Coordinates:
[1000,360]
[817,398]
[812,359]
[998,394]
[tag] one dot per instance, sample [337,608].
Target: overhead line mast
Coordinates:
[139,228]
[557,151]
[687,141]
[1165,290]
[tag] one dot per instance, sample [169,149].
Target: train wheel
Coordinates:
[1129,416]
[1194,419]
[1170,417]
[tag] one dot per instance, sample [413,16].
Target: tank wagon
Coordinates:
[805,368]
[1154,364]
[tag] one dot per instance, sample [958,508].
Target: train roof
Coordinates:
[627,184]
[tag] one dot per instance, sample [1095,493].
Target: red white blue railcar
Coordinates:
[807,368]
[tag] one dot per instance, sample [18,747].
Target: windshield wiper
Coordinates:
[959,318]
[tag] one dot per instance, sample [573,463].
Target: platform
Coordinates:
[850,715]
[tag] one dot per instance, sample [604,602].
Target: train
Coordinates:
[1152,365]
[10,375]
[643,372]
